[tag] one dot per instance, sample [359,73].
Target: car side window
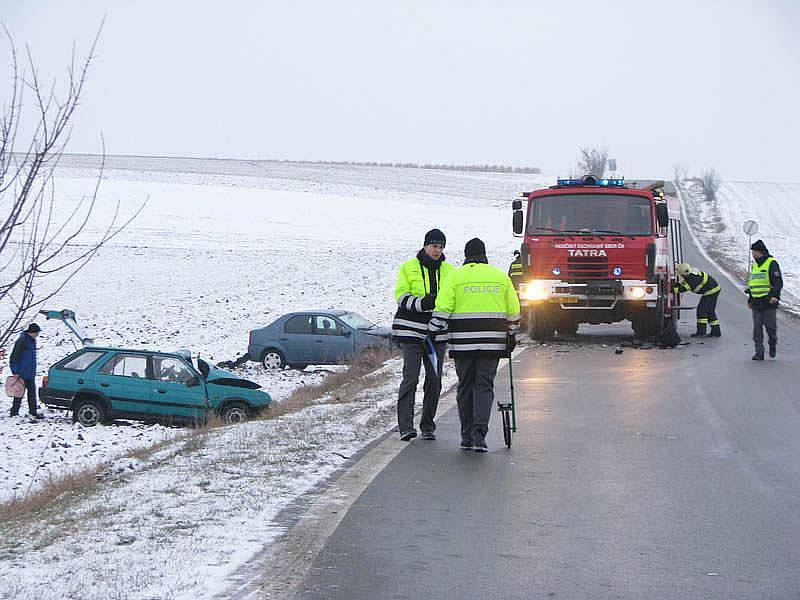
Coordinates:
[326,326]
[126,365]
[168,368]
[299,324]
[82,362]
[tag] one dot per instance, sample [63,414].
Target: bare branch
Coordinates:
[43,246]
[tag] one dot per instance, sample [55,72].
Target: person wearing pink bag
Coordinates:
[23,364]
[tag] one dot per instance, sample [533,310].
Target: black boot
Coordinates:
[15,404]
[758,355]
[701,330]
[715,331]
[773,350]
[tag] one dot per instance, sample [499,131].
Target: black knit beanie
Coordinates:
[33,328]
[475,248]
[760,246]
[435,236]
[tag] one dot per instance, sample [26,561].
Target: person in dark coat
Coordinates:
[23,363]
[764,295]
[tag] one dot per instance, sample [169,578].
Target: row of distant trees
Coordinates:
[441,167]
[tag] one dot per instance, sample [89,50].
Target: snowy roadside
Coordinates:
[215,255]
[174,525]
[717,226]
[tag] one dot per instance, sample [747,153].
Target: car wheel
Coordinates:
[273,359]
[88,412]
[235,412]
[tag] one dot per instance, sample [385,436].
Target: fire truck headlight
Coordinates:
[534,290]
[637,293]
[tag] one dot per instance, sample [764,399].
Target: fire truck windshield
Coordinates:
[588,214]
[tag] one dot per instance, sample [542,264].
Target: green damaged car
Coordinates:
[101,384]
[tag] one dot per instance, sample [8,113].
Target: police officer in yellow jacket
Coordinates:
[479,308]
[417,288]
[694,280]
[764,295]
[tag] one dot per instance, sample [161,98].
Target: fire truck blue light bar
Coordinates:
[606,182]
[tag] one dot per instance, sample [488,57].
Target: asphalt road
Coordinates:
[650,474]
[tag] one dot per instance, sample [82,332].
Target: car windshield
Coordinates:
[587,214]
[356,321]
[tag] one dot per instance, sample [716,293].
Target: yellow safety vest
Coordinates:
[759,279]
[478,306]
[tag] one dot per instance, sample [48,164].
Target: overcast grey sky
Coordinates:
[526,83]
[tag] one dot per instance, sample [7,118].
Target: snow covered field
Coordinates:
[718,226]
[223,247]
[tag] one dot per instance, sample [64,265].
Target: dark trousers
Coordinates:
[475,394]
[765,318]
[30,386]
[413,356]
[707,310]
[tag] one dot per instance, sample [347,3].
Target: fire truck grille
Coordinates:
[587,267]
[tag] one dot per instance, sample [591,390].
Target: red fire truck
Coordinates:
[598,250]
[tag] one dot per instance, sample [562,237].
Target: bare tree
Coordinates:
[680,171]
[592,161]
[44,242]
[711,182]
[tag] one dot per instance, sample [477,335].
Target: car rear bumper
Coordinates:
[55,398]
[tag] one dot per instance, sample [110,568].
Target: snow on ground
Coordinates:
[225,246]
[220,248]
[718,226]
[177,524]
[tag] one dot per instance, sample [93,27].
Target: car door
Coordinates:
[333,341]
[298,339]
[124,379]
[178,390]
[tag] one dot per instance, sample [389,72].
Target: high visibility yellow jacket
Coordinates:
[414,283]
[760,285]
[478,306]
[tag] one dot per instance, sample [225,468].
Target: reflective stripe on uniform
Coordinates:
[700,285]
[712,291]
[478,347]
[468,335]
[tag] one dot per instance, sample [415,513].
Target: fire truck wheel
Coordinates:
[540,325]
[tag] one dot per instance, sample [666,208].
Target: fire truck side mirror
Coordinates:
[662,214]
[518,222]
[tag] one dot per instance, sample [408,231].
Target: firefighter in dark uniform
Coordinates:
[764,294]
[516,270]
[694,280]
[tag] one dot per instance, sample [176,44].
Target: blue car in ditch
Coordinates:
[102,384]
[316,337]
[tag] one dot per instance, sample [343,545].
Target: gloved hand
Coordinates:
[428,302]
[511,342]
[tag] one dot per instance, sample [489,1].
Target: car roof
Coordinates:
[128,350]
[332,313]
